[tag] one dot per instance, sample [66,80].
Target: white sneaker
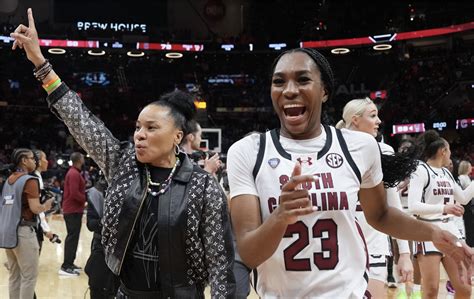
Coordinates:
[68,272]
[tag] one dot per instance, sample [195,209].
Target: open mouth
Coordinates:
[294,110]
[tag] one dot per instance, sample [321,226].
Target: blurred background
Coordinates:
[414,59]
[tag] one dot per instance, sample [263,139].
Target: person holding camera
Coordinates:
[43,228]
[192,142]
[18,209]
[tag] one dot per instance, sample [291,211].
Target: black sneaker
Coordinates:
[391,283]
[76,268]
[68,272]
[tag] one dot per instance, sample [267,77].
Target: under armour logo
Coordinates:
[305,161]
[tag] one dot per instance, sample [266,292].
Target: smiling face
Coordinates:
[297,93]
[369,121]
[156,136]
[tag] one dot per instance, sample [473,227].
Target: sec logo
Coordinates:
[334,160]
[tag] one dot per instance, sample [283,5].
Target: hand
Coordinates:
[403,184]
[27,38]
[48,204]
[457,250]
[454,209]
[49,235]
[295,202]
[212,164]
[405,268]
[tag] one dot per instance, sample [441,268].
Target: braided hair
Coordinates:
[327,75]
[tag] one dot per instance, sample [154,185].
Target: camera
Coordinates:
[46,194]
[55,239]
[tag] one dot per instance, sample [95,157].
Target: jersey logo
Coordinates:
[334,160]
[309,161]
[273,162]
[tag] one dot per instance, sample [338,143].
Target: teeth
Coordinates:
[293,106]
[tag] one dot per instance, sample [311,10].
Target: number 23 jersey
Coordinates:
[322,255]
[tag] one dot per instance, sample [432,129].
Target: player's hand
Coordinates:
[457,250]
[294,201]
[454,209]
[26,38]
[405,268]
[212,164]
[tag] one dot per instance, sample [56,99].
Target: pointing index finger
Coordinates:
[295,181]
[31,20]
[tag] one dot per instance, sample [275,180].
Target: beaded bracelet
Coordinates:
[43,70]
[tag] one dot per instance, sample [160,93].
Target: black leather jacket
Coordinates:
[195,243]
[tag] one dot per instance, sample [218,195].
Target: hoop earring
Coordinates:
[176,150]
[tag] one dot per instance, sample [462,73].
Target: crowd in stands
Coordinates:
[239,102]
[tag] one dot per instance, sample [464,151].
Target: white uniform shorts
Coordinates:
[378,267]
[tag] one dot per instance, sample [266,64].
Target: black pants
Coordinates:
[73,227]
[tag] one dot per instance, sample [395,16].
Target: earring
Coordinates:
[176,149]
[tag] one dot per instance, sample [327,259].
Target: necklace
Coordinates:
[162,187]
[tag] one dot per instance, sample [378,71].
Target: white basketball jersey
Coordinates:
[438,190]
[403,193]
[377,242]
[323,255]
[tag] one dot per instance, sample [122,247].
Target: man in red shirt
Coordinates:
[74,199]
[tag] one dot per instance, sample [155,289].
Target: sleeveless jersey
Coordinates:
[438,190]
[403,193]
[322,255]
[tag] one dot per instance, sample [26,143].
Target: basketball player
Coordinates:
[434,197]
[413,291]
[294,192]
[362,115]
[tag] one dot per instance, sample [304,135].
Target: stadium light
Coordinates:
[382,47]
[135,53]
[96,52]
[174,55]
[57,51]
[340,51]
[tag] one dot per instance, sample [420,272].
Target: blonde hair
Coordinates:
[355,107]
[463,167]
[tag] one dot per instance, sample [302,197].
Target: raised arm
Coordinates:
[88,130]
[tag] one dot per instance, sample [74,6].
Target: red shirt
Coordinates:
[74,197]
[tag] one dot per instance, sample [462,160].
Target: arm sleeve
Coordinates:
[88,130]
[217,239]
[393,200]
[463,196]
[44,224]
[241,159]
[418,181]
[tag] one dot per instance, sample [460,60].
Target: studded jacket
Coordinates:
[195,243]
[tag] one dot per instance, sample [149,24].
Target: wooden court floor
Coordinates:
[50,285]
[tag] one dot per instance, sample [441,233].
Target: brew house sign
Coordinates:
[85,25]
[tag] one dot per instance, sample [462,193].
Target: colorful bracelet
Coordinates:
[52,85]
[47,84]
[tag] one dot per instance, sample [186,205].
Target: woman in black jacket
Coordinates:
[166,229]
